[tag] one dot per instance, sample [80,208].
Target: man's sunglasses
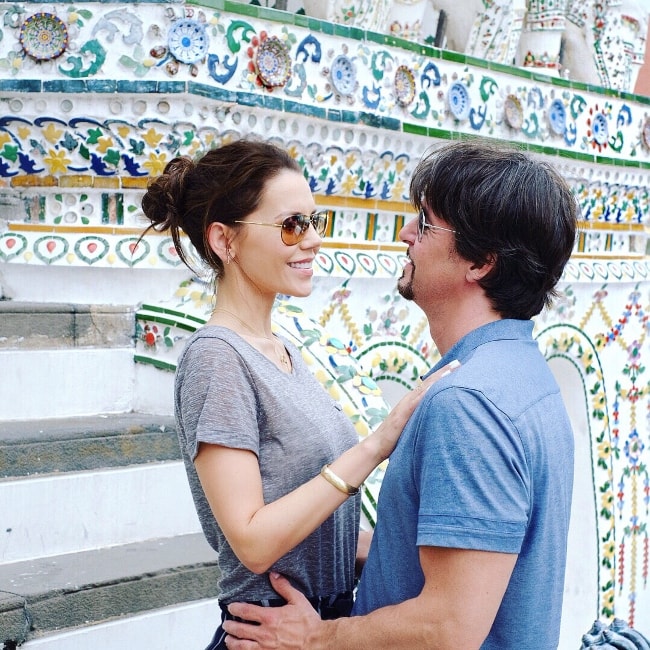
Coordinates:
[294,227]
[423,225]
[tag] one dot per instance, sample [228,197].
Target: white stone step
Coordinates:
[189,626]
[77,511]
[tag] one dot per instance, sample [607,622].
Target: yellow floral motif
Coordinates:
[24,132]
[629,213]
[362,428]
[608,550]
[597,211]
[350,160]
[307,357]
[156,163]
[348,184]
[604,451]
[105,143]
[123,131]
[334,392]
[398,188]
[357,382]
[4,138]
[51,133]
[57,161]
[608,598]
[349,410]
[598,400]
[152,137]
[607,499]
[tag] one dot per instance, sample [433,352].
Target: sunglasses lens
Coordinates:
[320,222]
[294,228]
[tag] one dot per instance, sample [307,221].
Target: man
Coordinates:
[470,545]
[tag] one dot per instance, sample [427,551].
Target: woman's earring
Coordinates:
[228,258]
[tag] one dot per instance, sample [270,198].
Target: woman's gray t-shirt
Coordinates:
[228,393]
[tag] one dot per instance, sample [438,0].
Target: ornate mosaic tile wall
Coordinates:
[95,98]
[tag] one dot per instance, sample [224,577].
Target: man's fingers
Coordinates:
[284,588]
[248,612]
[233,643]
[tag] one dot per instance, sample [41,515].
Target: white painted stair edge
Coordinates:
[189,626]
[77,511]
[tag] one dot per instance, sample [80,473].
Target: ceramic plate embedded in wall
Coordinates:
[343,75]
[557,117]
[459,101]
[513,113]
[273,63]
[599,128]
[404,85]
[188,41]
[43,36]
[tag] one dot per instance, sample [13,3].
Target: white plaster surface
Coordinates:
[39,384]
[53,515]
[186,626]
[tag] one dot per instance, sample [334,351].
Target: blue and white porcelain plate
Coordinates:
[599,128]
[557,117]
[343,75]
[459,101]
[188,41]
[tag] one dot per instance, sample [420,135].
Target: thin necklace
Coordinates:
[274,341]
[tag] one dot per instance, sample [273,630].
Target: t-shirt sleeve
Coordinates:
[471,471]
[216,397]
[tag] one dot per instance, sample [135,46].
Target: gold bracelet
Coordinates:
[337,481]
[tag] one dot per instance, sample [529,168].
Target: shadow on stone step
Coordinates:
[93,587]
[78,444]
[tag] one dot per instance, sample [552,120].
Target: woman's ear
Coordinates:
[219,238]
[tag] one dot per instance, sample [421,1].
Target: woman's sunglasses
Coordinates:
[294,228]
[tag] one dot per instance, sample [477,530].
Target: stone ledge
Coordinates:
[35,326]
[85,443]
[79,589]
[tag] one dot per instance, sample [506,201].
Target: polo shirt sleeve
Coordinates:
[470,469]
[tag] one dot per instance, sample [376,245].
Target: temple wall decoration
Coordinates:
[96,97]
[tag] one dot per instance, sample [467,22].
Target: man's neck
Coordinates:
[447,329]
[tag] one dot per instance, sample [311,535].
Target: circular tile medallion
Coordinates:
[43,36]
[343,75]
[459,101]
[188,41]
[600,129]
[273,63]
[557,117]
[513,113]
[404,85]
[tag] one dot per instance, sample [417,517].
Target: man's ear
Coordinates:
[219,238]
[477,272]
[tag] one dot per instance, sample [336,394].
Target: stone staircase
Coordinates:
[100,545]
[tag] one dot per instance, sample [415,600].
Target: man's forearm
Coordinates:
[406,626]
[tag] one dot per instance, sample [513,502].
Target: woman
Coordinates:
[271,459]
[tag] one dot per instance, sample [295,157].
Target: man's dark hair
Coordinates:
[504,205]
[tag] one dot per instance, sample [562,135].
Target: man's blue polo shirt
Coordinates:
[485,463]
